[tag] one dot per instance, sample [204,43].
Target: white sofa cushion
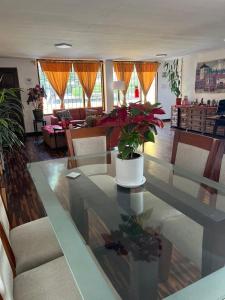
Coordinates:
[33,244]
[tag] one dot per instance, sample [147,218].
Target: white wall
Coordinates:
[27,74]
[165,97]
[189,69]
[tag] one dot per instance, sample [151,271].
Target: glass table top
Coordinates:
[141,243]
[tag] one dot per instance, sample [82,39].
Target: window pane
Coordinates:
[52,101]
[74,93]
[130,96]
[131,89]
[151,97]
[96,98]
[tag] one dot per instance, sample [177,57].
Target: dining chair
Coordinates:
[85,141]
[32,243]
[52,280]
[88,141]
[194,152]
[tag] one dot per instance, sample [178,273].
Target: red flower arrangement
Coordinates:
[35,96]
[138,125]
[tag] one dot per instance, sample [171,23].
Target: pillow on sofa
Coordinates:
[91,112]
[63,115]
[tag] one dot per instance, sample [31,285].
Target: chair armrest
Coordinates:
[54,120]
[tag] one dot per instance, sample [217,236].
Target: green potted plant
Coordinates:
[11,130]
[35,96]
[173,75]
[137,124]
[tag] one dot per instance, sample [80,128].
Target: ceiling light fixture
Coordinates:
[161,55]
[63,45]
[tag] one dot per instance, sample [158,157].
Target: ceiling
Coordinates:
[113,29]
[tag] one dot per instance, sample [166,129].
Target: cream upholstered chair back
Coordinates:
[89,145]
[86,141]
[4,218]
[222,171]
[6,275]
[194,152]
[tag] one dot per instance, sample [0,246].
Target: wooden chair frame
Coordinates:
[216,167]
[200,141]
[84,133]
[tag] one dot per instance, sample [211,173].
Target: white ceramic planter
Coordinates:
[129,173]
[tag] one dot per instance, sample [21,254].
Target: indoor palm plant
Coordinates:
[173,75]
[35,96]
[11,130]
[138,125]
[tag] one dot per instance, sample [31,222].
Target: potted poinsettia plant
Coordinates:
[138,125]
[35,96]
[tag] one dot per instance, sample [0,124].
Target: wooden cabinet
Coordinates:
[174,116]
[194,118]
[183,121]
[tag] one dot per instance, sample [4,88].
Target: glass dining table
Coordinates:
[163,240]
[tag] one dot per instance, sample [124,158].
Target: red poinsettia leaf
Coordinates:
[149,117]
[158,122]
[158,111]
[139,118]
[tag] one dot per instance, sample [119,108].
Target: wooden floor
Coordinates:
[23,201]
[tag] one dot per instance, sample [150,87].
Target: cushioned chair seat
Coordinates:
[51,281]
[44,246]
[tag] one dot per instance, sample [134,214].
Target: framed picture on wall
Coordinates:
[210,77]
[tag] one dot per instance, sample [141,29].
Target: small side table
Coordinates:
[35,123]
[56,130]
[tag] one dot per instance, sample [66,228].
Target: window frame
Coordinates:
[84,97]
[139,86]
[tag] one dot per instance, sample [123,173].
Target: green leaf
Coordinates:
[149,136]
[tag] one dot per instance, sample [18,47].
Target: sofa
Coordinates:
[78,115]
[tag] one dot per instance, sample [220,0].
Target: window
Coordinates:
[130,96]
[74,97]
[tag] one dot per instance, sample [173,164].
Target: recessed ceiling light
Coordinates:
[161,54]
[63,45]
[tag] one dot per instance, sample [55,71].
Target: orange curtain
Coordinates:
[57,73]
[146,73]
[124,71]
[87,74]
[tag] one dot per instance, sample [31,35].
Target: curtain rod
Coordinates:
[68,60]
[134,61]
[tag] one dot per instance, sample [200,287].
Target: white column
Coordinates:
[108,80]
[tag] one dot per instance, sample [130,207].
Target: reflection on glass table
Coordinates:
[148,242]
